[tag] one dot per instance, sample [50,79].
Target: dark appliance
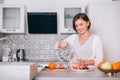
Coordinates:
[20,55]
[42,22]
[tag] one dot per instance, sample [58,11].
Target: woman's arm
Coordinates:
[98,50]
[66,42]
[86,62]
[63,44]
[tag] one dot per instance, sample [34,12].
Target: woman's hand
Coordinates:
[63,44]
[85,62]
[81,62]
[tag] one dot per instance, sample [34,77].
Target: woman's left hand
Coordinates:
[81,62]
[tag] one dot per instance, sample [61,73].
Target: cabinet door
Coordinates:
[66,14]
[12,18]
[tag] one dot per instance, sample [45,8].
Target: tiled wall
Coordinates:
[1,50]
[38,47]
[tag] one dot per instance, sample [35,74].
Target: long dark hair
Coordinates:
[81,16]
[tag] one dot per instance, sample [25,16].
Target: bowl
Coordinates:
[110,72]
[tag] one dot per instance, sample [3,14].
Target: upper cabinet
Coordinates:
[66,15]
[12,18]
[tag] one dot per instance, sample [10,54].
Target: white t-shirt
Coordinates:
[91,49]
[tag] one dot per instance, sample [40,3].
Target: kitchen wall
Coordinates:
[38,47]
[1,46]
[1,1]
[105,19]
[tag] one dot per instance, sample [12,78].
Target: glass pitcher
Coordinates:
[64,54]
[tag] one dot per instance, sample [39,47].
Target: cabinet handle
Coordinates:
[10,30]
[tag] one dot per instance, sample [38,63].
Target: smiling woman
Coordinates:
[87,46]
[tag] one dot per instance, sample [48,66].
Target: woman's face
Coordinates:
[81,26]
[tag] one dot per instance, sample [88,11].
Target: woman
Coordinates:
[87,46]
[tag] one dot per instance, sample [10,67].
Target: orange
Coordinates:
[75,67]
[116,65]
[118,62]
[52,65]
[60,66]
[100,64]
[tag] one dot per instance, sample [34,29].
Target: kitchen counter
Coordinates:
[18,70]
[93,74]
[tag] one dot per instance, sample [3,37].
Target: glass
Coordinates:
[74,57]
[11,18]
[69,14]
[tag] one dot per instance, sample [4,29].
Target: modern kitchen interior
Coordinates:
[30,29]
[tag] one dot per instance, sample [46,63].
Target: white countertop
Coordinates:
[93,74]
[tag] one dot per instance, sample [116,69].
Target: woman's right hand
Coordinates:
[63,44]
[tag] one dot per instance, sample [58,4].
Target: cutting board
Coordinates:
[47,69]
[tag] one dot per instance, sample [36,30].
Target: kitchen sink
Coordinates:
[18,70]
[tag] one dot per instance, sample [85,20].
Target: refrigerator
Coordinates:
[105,21]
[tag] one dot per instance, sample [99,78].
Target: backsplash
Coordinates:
[38,47]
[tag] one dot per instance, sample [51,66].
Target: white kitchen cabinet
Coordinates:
[18,70]
[66,15]
[12,18]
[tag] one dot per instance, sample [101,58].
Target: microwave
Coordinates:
[42,22]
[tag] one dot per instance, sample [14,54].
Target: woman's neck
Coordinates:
[86,34]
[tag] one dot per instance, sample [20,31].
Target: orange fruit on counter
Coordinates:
[60,66]
[118,62]
[116,65]
[52,65]
[100,64]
